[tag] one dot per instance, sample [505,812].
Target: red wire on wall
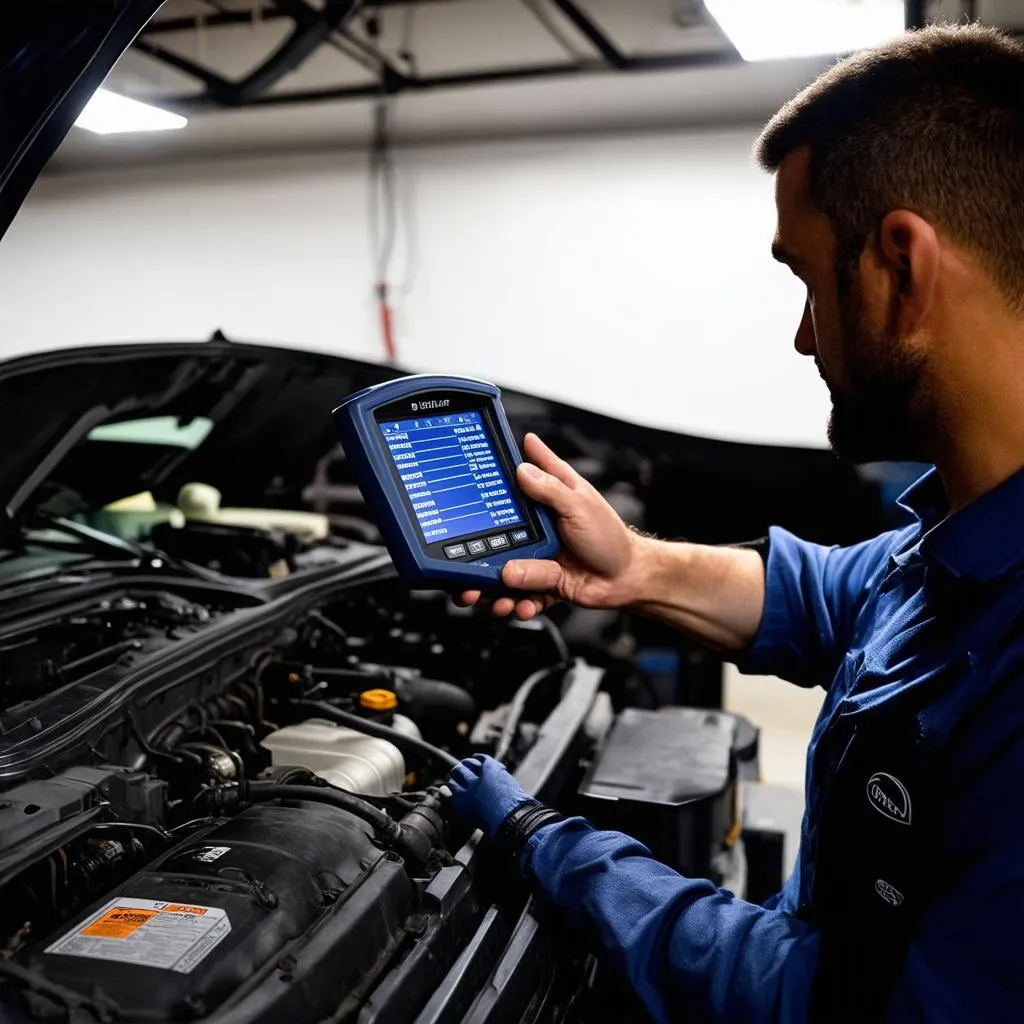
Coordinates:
[384,213]
[383,222]
[387,327]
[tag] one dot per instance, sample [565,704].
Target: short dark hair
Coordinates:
[931,122]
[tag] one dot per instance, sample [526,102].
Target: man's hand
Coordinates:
[600,562]
[484,794]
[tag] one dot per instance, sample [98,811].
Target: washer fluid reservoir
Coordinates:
[341,756]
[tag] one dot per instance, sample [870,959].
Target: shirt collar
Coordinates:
[983,541]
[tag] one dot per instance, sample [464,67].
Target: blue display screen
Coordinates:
[452,475]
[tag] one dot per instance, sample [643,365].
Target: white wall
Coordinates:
[627,273]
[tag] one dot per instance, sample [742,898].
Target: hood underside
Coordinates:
[266,423]
[268,412]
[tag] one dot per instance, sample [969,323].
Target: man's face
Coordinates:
[872,377]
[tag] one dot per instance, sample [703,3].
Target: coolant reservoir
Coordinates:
[342,756]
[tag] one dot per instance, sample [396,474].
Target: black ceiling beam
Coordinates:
[589,28]
[545,20]
[312,28]
[217,19]
[392,79]
[354,55]
[724,57]
[213,82]
[647,63]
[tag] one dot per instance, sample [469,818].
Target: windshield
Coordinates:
[161,430]
[93,484]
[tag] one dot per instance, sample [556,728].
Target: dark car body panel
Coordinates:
[270,409]
[54,54]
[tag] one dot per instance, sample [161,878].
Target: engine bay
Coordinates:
[263,830]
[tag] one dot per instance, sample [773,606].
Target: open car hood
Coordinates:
[54,54]
[265,413]
[266,425]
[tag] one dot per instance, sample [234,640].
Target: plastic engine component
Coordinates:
[342,756]
[668,777]
[212,920]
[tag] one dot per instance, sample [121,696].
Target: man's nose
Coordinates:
[804,340]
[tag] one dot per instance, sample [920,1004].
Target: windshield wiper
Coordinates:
[86,538]
[99,551]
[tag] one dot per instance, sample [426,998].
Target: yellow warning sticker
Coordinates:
[172,936]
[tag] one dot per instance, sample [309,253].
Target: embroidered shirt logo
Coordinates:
[888,892]
[889,796]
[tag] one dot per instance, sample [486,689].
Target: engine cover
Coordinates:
[668,777]
[244,913]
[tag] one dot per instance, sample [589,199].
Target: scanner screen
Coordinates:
[452,475]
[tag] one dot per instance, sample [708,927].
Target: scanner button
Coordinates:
[498,541]
[519,536]
[477,547]
[455,550]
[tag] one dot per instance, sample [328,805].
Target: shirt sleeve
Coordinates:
[691,950]
[813,595]
[695,952]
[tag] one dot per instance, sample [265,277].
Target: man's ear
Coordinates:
[909,255]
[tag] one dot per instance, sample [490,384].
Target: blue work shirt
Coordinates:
[925,617]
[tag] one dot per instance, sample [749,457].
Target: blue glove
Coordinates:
[484,794]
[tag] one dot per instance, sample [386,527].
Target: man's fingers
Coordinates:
[531,574]
[529,608]
[523,608]
[547,489]
[544,458]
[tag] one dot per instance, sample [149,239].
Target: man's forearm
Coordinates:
[714,594]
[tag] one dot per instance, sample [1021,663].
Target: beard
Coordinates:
[871,419]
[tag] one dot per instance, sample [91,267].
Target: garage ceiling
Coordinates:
[454,68]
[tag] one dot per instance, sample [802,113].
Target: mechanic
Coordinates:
[900,200]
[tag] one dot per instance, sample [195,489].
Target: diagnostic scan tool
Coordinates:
[436,462]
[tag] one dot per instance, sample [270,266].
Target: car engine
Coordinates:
[222,797]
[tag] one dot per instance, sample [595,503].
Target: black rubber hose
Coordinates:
[407,744]
[518,706]
[431,698]
[406,801]
[261,792]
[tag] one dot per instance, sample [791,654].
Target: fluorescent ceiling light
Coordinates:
[107,113]
[763,30]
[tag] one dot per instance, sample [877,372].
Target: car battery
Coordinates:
[668,778]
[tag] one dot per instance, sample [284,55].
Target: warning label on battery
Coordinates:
[119,923]
[173,936]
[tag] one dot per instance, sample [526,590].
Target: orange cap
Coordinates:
[378,700]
